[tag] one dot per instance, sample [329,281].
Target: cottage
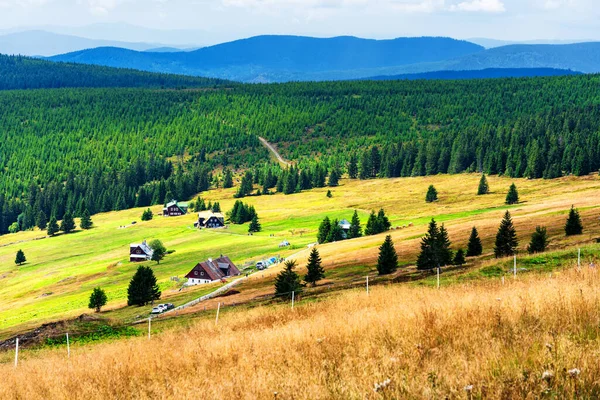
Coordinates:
[211,271]
[209,219]
[140,252]
[175,209]
[345,227]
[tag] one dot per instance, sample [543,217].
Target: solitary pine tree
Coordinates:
[143,288]
[506,238]
[68,223]
[388,259]
[315,268]
[97,299]
[474,248]
[86,221]
[539,241]
[41,221]
[513,195]
[329,194]
[158,250]
[52,226]
[432,194]
[254,225]
[459,258]
[147,215]
[573,225]
[324,229]
[288,281]
[483,186]
[20,259]
[355,228]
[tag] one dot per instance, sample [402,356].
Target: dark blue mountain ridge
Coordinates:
[273,55]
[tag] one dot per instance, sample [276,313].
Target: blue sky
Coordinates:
[228,19]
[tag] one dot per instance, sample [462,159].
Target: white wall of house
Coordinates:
[194,281]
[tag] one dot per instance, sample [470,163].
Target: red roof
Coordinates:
[214,269]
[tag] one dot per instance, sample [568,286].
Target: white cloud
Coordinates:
[487,6]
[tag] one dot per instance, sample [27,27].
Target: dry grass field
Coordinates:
[534,337]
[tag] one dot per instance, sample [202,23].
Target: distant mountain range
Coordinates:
[480,74]
[285,58]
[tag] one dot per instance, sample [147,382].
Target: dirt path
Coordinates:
[273,150]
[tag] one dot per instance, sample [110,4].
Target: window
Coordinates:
[202,273]
[195,272]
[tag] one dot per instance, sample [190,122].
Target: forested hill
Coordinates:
[284,58]
[68,150]
[481,74]
[18,72]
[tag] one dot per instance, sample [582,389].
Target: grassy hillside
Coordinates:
[60,273]
[536,336]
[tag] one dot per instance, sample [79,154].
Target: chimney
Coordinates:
[210,260]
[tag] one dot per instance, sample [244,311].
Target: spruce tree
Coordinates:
[483,186]
[432,194]
[372,228]
[444,252]
[97,299]
[387,262]
[353,167]
[41,221]
[506,238]
[228,179]
[287,281]
[316,272]
[513,195]
[383,223]
[573,225]
[254,225]
[86,221]
[334,178]
[428,258]
[335,233]
[459,258]
[52,226]
[324,230]
[143,288]
[474,248]
[67,225]
[20,258]
[539,241]
[355,228]
[329,194]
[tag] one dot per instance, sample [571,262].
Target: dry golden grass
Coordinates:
[429,343]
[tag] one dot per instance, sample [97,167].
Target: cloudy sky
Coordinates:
[228,19]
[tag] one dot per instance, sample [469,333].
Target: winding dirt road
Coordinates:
[273,150]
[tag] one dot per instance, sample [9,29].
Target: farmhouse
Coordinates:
[212,271]
[208,219]
[140,252]
[175,209]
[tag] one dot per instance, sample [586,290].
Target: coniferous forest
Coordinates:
[68,150]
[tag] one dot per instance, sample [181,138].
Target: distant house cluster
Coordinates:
[140,252]
[209,219]
[175,209]
[211,271]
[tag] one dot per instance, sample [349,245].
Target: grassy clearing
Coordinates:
[534,337]
[61,272]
